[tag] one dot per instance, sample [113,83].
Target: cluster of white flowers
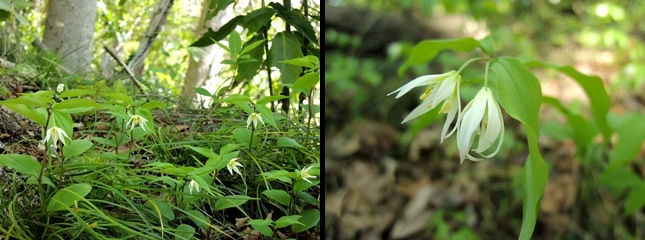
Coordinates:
[482,116]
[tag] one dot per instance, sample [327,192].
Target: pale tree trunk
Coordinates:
[69,31]
[202,60]
[159,16]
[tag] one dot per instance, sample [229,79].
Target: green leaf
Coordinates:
[257,19]
[38,99]
[28,112]
[236,98]
[76,105]
[285,221]
[582,133]
[234,43]
[65,197]
[302,185]
[520,95]
[230,201]
[203,151]
[161,208]
[76,147]
[308,198]
[262,225]
[487,45]
[21,163]
[630,139]
[198,218]
[285,46]
[120,97]
[595,90]
[185,232]
[635,199]
[294,18]
[307,81]
[215,6]
[247,70]
[202,91]
[76,93]
[427,50]
[310,218]
[288,142]
[154,105]
[269,99]
[211,36]
[34,181]
[267,115]
[280,196]
[251,46]
[243,136]
[619,180]
[281,175]
[303,62]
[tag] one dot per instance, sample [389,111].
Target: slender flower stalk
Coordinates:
[481,116]
[440,88]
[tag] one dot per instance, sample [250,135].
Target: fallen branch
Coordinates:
[127,69]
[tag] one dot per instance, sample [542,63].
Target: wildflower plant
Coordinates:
[479,126]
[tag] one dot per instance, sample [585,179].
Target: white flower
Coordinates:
[137,119]
[304,173]
[232,166]
[54,134]
[481,116]
[60,88]
[193,185]
[446,90]
[254,118]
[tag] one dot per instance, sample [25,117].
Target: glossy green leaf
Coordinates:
[285,221]
[427,50]
[520,95]
[203,91]
[308,198]
[303,62]
[267,115]
[285,46]
[203,151]
[280,196]
[488,45]
[230,201]
[76,147]
[635,199]
[281,175]
[310,218]
[76,105]
[76,93]
[184,232]
[24,164]
[65,197]
[250,45]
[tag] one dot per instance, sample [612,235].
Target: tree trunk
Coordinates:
[201,61]
[159,16]
[69,31]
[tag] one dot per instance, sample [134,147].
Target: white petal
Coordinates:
[455,108]
[418,111]
[421,81]
[445,89]
[472,117]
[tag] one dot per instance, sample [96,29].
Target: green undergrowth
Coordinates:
[140,167]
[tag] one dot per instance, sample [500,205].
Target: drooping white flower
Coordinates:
[304,173]
[254,118]
[440,88]
[481,116]
[137,120]
[232,166]
[60,88]
[193,186]
[55,134]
